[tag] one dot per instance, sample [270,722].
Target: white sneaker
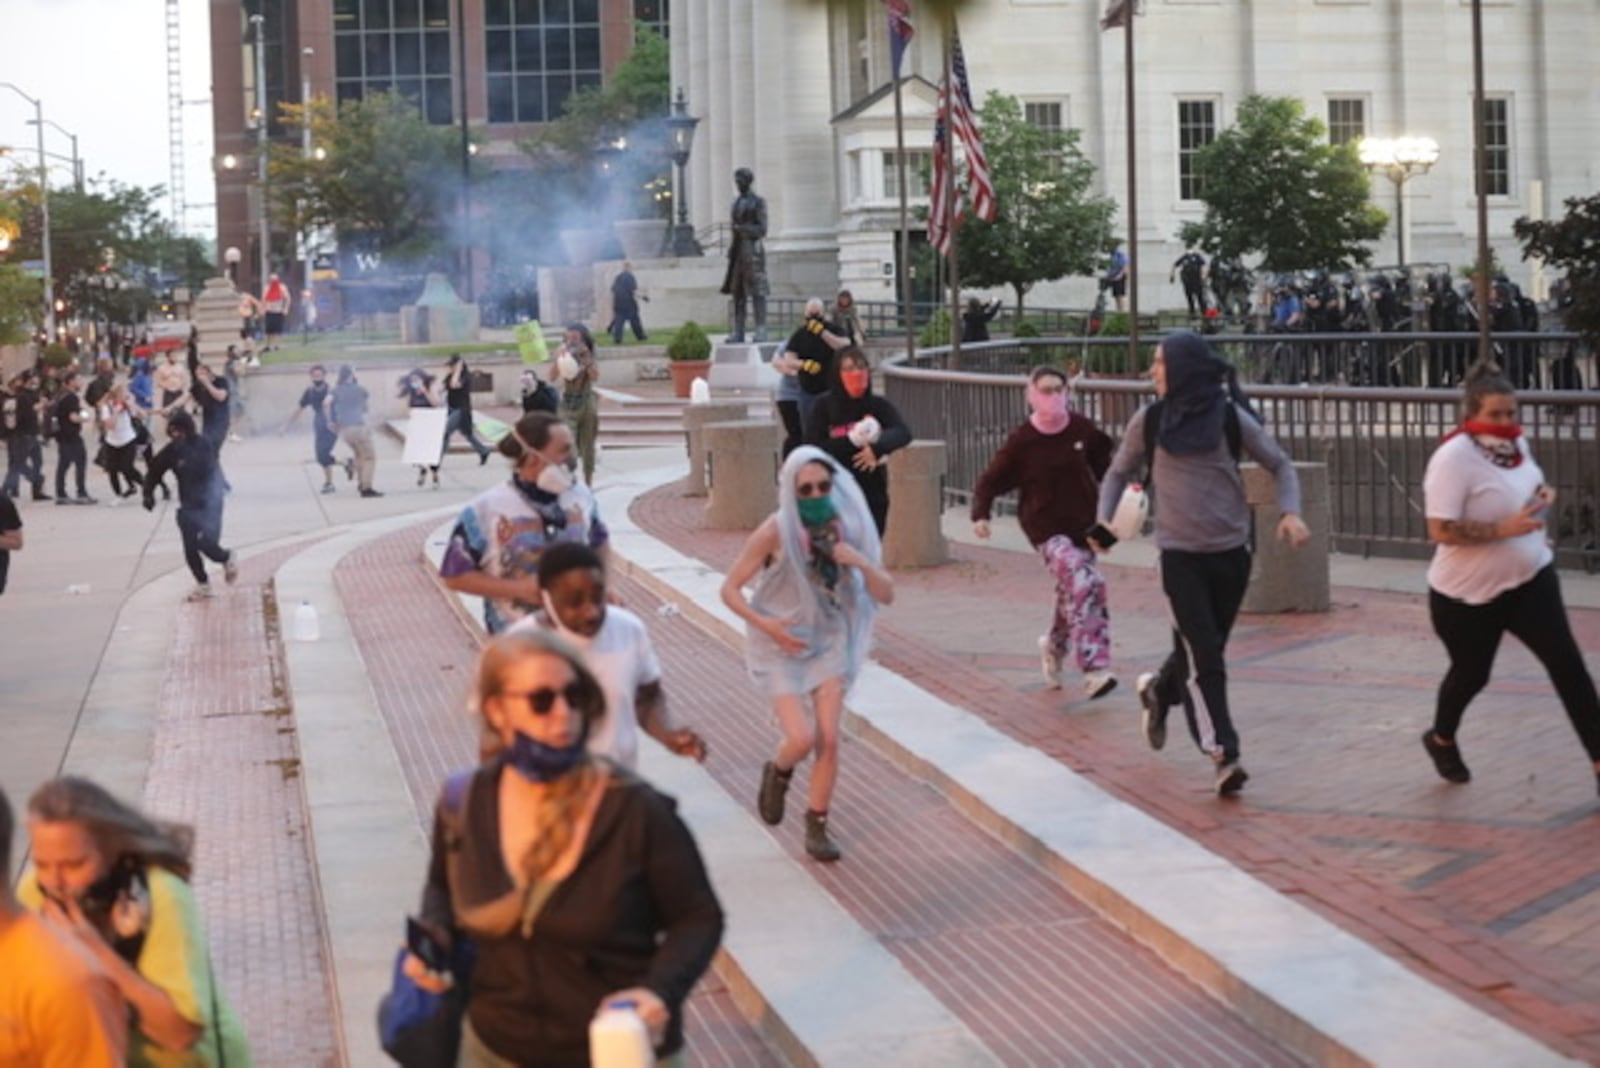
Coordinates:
[1098,683]
[230,569]
[1049,664]
[201,592]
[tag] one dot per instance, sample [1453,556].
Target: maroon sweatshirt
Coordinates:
[1057,477]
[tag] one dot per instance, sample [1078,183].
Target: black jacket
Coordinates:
[828,428]
[193,461]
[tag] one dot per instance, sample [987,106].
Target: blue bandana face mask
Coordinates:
[540,763]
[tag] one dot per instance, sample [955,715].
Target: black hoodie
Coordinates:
[829,430]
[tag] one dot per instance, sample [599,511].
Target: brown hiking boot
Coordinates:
[818,844]
[774,787]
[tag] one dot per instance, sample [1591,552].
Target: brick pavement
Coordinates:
[226,761]
[1493,890]
[419,657]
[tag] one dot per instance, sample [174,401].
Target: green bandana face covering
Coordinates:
[815,511]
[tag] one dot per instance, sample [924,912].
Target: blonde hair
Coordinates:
[118,829]
[556,820]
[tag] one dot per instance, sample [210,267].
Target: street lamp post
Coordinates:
[44,217]
[1400,159]
[232,257]
[263,230]
[681,126]
[305,152]
[77,164]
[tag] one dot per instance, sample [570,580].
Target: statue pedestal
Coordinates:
[744,366]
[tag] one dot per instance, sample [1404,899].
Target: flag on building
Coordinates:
[1118,12]
[955,109]
[900,32]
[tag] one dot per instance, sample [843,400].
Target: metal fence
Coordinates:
[1375,441]
[883,318]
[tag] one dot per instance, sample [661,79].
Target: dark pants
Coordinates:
[1535,614]
[119,468]
[70,453]
[459,421]
[793,435]
[626,314]
[1194,293]
[324,442]
[201,530]
[23,461]
[1204,592]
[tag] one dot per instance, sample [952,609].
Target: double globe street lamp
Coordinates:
[1400,159]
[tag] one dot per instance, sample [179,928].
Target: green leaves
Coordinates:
[1049,224]
[1571,244]
[1274,187]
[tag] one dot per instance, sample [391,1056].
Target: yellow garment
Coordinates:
[175,958]
[57,1009]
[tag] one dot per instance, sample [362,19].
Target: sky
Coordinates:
[100,68]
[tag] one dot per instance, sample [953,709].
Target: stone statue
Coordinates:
[747,258]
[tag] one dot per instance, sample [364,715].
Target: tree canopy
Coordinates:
[1048,223]
[1571,244]
[1273,187]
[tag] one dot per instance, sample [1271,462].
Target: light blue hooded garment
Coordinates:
[838,629]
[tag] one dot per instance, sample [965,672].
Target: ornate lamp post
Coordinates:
[232,257]
[1400,159]
[681,126]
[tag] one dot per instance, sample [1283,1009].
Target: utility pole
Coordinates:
[44,216]
[263,230]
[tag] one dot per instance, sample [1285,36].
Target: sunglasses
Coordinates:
[542,700]
[815,489]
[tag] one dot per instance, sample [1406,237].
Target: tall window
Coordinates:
[919,166]
[1347,121]
[400,46]
[1197,128]
[653,13]
[1044,114]
[538,53]
[1497,145]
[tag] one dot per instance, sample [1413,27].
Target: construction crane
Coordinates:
[175,103]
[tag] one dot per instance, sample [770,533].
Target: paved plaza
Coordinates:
[1024,882]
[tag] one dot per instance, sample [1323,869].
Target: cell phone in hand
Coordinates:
[1540,501]
[425,946]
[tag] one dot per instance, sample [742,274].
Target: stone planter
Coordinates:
[640,238]
[684,372]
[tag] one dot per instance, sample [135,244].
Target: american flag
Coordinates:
[956,108]
[900,32]
[1118,12]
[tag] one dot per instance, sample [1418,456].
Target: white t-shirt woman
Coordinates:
[1463,483]
[118,423]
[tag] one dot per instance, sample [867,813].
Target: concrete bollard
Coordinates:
[916,505]
[695,418]
[1283,579]
[742,467]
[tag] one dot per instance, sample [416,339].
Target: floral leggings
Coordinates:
[1080,622]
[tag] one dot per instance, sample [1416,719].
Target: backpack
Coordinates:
[1152,425]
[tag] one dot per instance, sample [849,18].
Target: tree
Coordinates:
[1048,224]
[1571,244]
[20,298]
[1273,186]
[383,176]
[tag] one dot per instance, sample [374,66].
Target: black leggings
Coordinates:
[119,468]
[201,531]
[1535,614]
[1204,592]
[793,436]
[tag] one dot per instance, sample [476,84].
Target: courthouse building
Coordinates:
[801,96]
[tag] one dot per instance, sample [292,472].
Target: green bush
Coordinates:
[1026,328]
[689,343]
[936,331]
[56,356]
[1115,324]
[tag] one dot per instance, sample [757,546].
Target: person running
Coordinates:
[119,882]
[1202,528]
[193,462]
[416,389]
[495,547]
[615,646]
[577,371]
[71,453]
[458,402]
[120,424]
[859,429]
[809,623]
[324,438]
[1493,572]
[59,1009]
[346,409]
[10,539]
[1055,462]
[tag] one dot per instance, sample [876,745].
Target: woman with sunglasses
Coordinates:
[577,883]
[819,575]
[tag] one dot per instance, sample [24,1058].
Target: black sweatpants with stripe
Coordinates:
[1204,592]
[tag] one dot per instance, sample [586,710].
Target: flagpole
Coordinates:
[1133,193]
[954,191]
[907,305]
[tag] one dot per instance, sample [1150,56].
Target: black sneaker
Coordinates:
[1153,720]
[370,493]
[1446,759]
[1231,778]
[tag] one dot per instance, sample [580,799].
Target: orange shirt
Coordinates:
[57,1009]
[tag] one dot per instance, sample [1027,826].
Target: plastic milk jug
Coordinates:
[618,1038]
[305,623]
